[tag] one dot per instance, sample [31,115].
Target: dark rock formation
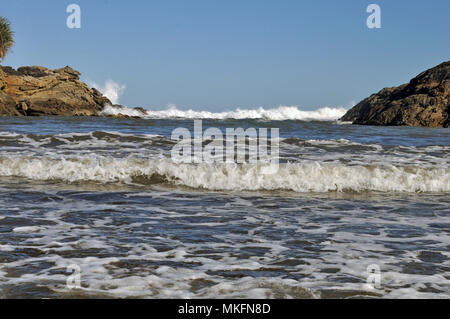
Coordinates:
[424,101]
[35,90]
[139,112]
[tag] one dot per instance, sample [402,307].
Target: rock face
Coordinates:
[35,91]
[424,101]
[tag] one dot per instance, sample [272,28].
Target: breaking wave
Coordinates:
[297,177]
[112,90]
[281,113]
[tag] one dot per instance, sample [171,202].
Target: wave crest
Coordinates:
[298,177]
[281,113]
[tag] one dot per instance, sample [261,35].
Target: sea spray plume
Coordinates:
[6,37]
[112,90]
[281,113]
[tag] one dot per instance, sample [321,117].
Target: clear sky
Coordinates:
[219,55]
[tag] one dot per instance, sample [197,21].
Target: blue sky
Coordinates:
[219,55]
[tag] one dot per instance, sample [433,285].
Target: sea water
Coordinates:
[101,199]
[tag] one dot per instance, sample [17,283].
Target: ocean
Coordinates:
[95,207]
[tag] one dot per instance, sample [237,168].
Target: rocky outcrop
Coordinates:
[122,112]
[424,101]
[35,91]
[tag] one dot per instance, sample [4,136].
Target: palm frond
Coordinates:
[6,37]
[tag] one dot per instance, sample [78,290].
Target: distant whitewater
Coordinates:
[281,113]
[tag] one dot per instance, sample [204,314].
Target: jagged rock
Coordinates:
[141,109]
[7,105]
[118,107]
[36,90]
[424,101]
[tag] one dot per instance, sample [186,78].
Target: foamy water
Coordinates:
[280,113]
[103,195]
[304,177]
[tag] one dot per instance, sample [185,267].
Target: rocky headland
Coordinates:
[38,91]
[424,101]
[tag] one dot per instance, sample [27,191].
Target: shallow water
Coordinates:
[102,195]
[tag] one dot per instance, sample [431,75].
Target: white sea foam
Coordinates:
[112,90]
[298,177]
[280,113]
[129,245]
[27,229]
